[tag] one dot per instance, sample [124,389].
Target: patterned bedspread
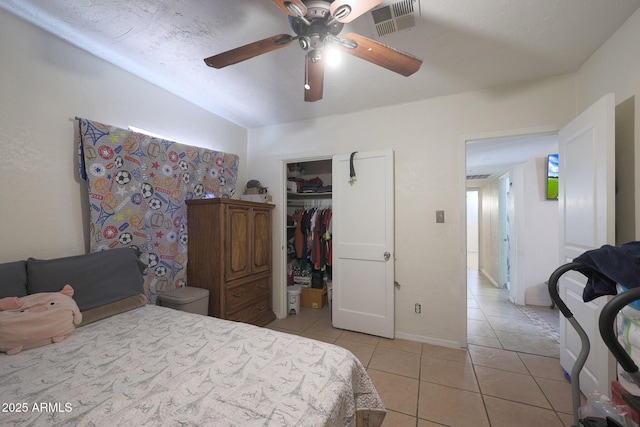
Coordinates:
[185,370]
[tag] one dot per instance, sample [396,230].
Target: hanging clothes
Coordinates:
[312,238]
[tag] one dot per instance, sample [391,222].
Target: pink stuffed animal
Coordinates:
[37,320]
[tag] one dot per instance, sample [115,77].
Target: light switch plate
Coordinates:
[439,217]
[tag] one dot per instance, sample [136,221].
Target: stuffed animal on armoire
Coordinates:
[37,319]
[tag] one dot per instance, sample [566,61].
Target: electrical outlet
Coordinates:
[439,217]
[418,308]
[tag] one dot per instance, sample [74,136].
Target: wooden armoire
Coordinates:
[229,253]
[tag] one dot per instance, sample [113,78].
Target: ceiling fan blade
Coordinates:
[314,79]
[248,51]
[286,5]
[379,54]
[347,10]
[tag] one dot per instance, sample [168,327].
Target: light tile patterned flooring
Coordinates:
[510,376]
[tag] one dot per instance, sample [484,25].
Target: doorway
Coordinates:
[504,232]
[501,171]
[473,229]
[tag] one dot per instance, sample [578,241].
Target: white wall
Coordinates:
[540,242]
[45,83]
[489,245]
[429,158]
[615,67]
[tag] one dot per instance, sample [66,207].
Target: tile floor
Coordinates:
[509,376]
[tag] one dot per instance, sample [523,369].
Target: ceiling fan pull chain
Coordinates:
[352,173]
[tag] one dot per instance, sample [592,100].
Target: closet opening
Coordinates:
[308,235]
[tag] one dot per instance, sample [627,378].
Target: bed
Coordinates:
[154,365]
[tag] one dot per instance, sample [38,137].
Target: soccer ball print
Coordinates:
[137,188]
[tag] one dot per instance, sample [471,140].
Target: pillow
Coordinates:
[97,278]
[108,310]
[13,279]
[39,319]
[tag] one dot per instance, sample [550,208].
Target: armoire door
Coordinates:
[363,243]
[261,230]
[237,243]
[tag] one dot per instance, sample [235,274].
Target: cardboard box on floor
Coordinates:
[313,298]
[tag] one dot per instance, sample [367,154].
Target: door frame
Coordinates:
[462,192]
[505,217]
[281,282]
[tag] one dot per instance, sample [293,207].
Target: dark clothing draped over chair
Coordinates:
[612,265]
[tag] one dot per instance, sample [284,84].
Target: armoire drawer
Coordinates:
[239,295]
[252,313]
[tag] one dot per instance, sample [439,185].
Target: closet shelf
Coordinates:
[308,195]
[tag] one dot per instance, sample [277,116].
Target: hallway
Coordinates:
[492,321]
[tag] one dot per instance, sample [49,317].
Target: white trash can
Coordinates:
[293,296]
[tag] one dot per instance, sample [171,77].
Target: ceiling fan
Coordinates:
[317,24]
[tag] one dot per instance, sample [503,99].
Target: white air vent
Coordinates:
[470,177]
[394,16]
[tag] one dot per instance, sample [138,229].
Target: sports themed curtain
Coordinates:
[137,187]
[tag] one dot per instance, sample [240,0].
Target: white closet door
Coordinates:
[363,243]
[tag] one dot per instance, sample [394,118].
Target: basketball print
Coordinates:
[130,144]
[192,153]
[101,185]
[110,202]
[230,161]
[169,182]
[176,197]
[179,260]
[137,220]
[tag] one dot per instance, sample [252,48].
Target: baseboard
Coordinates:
[428,340]
[489,278]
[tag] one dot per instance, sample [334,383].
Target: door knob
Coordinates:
[387,255]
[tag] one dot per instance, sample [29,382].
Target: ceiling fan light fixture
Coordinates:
[342,12]
[332,56]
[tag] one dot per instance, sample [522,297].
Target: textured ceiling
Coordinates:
[465,44]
